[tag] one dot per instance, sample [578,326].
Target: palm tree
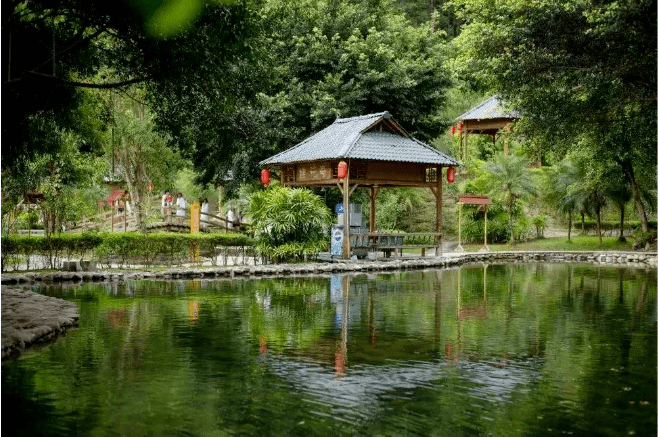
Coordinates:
[618,190]
[589,189]
[509,182]
[561,191]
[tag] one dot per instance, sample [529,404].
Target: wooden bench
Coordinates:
[394,242]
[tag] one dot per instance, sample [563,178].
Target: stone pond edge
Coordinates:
[628,259]
[47,327]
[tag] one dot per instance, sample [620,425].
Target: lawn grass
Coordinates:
[578,242]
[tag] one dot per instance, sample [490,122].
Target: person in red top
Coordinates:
[167,201]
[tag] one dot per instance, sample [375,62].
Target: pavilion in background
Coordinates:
[378,152]
[488,118]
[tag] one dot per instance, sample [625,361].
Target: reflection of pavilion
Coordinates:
[355,395]
[354,391]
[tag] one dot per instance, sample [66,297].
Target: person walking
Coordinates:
[238,220]
[230,218]
[180,208]
[205,207]
[165,208]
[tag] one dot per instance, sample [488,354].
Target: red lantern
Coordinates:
[452,130]
[265,177]
[342,170]
[460,125]
[450,175]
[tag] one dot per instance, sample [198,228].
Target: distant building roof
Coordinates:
[114,195]
[375,137]
[491,108]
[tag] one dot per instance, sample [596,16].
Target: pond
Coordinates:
[530,349]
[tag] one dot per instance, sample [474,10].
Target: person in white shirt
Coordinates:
[205,207]
[238,220]
[180,208]
[230,218]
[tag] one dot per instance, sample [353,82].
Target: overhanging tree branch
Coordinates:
[94,85]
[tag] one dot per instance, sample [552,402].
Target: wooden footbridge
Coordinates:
[124,221]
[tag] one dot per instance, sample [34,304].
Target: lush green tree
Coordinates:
[558,191]
[618,190]
[581,73]
[139,154]
[64,186]
[52,49]
[313,62]
[510,181]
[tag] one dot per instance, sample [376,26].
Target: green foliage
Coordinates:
[62,184]
[645,240]
[289,223]
[404,209]
[59,48]
[596,61]
[51,247]
[121,247]
[28,220]
[539,222]
[510,181]
[315,61]
[497,228]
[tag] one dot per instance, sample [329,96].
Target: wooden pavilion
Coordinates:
[378,152]
[488,118]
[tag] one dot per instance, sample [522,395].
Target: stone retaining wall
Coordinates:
[29,318]
[630,259]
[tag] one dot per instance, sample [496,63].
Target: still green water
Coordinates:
[537,349]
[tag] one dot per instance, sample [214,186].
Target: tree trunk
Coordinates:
[627,168]
[511,222]
[622,212]
[569,228]
[598,224]
[582,222]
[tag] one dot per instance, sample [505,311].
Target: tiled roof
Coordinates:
[114,195]
[350,138]
[385,146]
[490,108]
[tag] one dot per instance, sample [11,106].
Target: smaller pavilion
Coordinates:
[488,118]
[378,153]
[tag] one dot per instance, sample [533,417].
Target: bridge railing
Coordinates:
[121,221]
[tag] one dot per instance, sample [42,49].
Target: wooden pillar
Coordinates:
[459,248]
[486,247]
[346,216]
[439,197]
[374,191]
[281,176]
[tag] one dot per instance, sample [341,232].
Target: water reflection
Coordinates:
[501,349]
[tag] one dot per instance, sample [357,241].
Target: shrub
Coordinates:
[289,223]
[539,222]
[645,240]
[121,248]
